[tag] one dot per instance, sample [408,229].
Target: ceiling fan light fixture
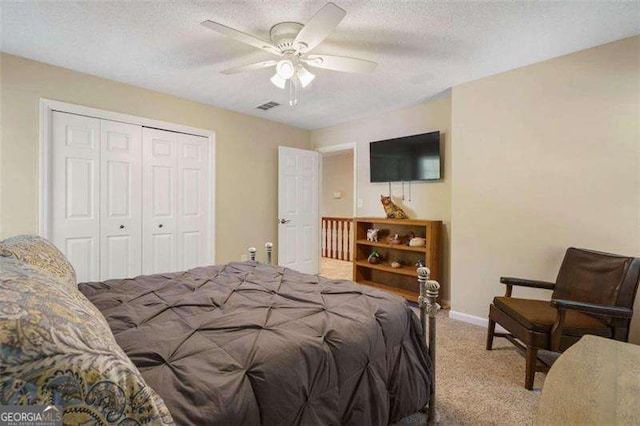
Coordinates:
[278,81]
[285,69]
[294,43]
[305,76]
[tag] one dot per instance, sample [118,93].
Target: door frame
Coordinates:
[350,146]
[48,106]
[353,146]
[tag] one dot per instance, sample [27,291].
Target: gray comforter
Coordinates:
[250,344]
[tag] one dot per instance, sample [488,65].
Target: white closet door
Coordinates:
[75,192]
[120,200]
[159,205]
[193,186]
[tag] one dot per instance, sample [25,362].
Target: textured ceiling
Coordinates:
[422,48]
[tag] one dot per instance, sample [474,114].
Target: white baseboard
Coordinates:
[472,319]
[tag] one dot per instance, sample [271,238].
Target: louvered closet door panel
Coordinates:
[120,200]
[193,157]
[159,205]
[75,192]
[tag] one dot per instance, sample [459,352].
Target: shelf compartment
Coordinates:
[404,270]
[391,246]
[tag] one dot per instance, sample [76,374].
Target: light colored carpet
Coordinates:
[476,386]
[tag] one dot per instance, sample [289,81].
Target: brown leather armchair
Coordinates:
[593,294]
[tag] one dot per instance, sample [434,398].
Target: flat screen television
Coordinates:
[408,158]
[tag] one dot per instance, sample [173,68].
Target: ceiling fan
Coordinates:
[293,42]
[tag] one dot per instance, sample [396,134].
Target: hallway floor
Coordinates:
[336,269]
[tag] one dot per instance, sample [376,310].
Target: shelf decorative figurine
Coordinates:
[418,242]
[372,234]
[374,258]
[395,264]
[395,240]
[390,208]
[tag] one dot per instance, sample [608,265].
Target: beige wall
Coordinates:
[546,157]
[429,200]
[246,148]
[337,176]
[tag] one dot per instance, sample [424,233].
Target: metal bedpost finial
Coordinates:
[432,288]
[423,277]
[252,253]
[269,248]
[423,271]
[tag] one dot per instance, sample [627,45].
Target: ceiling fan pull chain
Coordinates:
[290,92]
[293,91]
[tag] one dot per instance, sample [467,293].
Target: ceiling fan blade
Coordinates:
[250,67]
[319,27]
[240,36]
[340,63]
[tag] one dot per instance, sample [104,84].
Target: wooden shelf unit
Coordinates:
[402,281]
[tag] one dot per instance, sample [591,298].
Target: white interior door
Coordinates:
[159,216]
[193,155]
[299,226]
[75,192]
[120,200]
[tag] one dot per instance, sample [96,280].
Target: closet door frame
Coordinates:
[48,106]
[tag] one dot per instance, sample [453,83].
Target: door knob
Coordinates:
[121,226]
[160,226]
[283,221]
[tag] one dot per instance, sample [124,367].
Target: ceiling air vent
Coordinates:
[268,106]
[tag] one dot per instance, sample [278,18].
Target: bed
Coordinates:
[251,343]
[242,343]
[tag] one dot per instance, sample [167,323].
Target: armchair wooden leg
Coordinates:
[490,331]
[530,373]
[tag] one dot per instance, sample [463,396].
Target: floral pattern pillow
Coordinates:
[39,252]
[57,348]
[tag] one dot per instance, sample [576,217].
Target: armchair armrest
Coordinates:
[593,308]
[522,282]
[589,308]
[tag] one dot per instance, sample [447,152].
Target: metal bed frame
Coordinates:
[429,307]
